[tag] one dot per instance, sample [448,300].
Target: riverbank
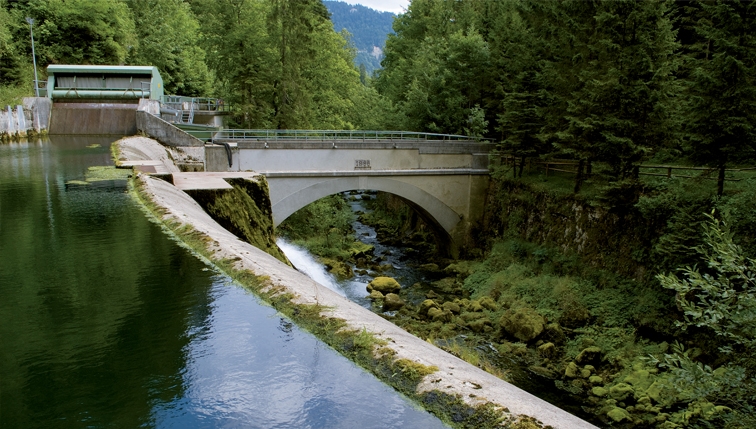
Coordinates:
[461,394]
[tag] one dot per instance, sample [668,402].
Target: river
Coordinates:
[107,322]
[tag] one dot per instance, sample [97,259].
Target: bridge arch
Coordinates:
[300,193]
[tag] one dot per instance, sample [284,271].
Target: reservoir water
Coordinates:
[105,322]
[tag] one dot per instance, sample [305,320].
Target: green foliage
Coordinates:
[691,380]
[79,31]
[722,298]
[323,227]
[722,82]
[168,34]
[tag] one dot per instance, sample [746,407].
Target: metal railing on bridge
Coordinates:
[329,135]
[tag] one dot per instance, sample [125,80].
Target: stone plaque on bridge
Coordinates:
[362,164]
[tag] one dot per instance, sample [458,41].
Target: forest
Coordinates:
[638,291]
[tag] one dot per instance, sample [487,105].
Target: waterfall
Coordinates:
[307,265]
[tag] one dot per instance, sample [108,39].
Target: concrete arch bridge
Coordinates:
[444,177]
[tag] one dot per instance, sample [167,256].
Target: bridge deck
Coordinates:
[209,180]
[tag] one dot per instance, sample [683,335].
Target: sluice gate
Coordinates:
[99,99]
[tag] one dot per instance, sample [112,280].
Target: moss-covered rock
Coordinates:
[600,391]
[547,350]
[618,415]
[641,380]
[426,305]
[589,355]
[572,370]
[360,250]
[340,269]
[525,324]
[488,304]
[438,315]
[554,333]
[596,379]
[392,302]
[384,285]
[479,325]
[452,306]
[621,391]
[375,295]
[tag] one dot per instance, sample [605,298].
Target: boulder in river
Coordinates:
[525,324]
[392,302]
[384,285]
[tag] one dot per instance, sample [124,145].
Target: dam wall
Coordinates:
[444,376]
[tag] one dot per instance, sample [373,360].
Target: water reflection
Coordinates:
[106,322]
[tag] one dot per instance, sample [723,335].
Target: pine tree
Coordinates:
[722,85]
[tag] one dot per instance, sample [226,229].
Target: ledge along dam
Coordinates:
[443,177]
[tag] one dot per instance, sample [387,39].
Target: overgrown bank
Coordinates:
[567,295]
[322,318]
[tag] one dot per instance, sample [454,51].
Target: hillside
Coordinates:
[368,27]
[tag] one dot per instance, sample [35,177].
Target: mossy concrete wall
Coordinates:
[244,211]
[610,239]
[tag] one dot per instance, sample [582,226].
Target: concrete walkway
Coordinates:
[454,376]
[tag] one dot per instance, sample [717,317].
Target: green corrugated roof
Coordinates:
[84,69]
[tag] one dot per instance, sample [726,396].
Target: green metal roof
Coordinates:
[85,69]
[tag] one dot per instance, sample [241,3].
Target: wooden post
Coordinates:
[579,176]
[720,180]
[669,172]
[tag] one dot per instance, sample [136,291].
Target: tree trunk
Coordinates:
[579,176]
[720,180]
[522,165]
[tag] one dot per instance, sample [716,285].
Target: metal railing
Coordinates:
[179,102]
[330,135]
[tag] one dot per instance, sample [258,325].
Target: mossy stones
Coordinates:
[525,324]
[375,295]
[337,268]
[621,391]
[392,302]
[554,333]
[479,325]
[589,355]
[384,285]
[640,379]
[547,350]
[599,391]
[488,304]
[425,306]
[618,415]
[596,379]
[572,370]
[451,306]
[359,249]
[438,315]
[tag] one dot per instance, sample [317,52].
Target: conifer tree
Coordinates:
[622,62]
[721,115]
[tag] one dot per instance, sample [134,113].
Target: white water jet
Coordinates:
[305,263]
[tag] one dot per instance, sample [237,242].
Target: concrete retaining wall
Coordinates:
[31,117]
[163,131]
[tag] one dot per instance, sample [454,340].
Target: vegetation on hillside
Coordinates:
[368,29]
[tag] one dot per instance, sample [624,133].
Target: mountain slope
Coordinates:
[368,27]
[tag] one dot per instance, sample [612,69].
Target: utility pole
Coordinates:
[34,57]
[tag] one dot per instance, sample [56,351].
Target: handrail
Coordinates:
[202,103]
[327,135]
